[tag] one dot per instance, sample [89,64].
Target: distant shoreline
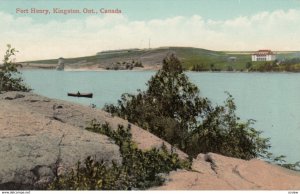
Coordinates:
[97,69]
[196,59]
[89,68]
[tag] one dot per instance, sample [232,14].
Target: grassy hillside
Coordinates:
[206,59]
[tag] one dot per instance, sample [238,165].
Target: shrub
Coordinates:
[172,109]
[139,169]
[280,160]
[138,64]
[248,65]
[9,79]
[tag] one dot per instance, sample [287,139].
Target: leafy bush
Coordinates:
[289,65]
[9,80]
[280,160]
[138,64]
[172,109]
[139,169]
[292,61]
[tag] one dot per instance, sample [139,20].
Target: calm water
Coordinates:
[272,99]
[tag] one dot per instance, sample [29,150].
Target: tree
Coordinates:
[212,67]
[172,109]
[248,65]
[9,79]
[138,170]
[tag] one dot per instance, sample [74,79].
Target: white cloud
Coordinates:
[276,30]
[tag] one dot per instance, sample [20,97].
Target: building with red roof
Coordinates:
[263,55]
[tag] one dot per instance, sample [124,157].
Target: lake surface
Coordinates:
[272,99]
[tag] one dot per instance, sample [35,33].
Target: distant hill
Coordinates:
[152,59]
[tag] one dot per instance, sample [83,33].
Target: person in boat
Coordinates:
[78,93]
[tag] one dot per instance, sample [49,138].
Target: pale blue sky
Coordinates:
[158,9]
[210,24]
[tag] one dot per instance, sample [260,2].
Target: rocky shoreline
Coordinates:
[43,137]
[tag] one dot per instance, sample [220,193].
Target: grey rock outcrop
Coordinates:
[80,116]
[41,137]
[217,172]
[35,148]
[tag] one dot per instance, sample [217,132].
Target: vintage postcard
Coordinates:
[150,95]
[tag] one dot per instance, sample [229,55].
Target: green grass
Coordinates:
[188,55]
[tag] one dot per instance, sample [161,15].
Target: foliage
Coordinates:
[139,169]
[9,80]
[125,65]
[248,65]
[292,61]
[292,166]
[172,109]
[267,67]
[280,160]
[222,132]
[138,64]
[200,67]
[288,65]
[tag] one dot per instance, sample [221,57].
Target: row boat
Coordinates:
[78,94]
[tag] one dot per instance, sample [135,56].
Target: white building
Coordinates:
[263,55]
